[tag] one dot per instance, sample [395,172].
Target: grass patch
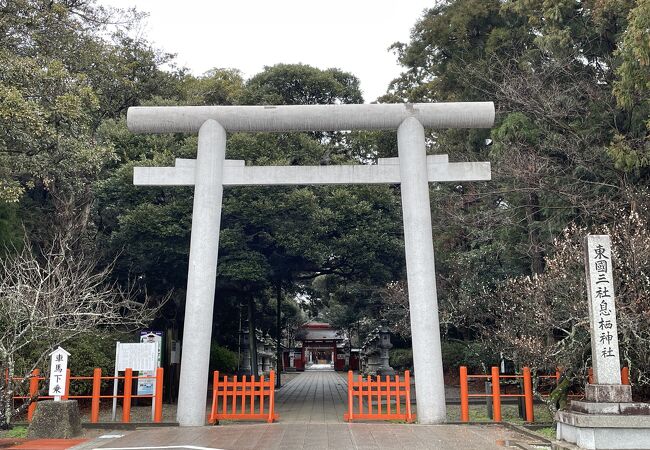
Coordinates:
[15,432]
[548,432]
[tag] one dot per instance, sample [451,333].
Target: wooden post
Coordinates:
[157,415]
[496,395]
[350,414]
[66,391]
[407,382]
[272,400]
[464,395]
[625,375]
[97,385]
[33,392]
[126,400]
[528,395]
[243,394]
[213,409]
[234,394]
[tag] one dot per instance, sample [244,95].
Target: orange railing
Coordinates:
[496,394]
[371,391]
[96,396]
[257,391]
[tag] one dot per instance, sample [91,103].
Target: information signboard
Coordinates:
[136,356]
[146,385]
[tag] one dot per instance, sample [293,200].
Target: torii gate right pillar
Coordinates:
[421,273]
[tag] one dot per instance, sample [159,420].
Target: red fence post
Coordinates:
[625,375]
[464,395]
[496,395]
[272,393]
[215,385]
[407,383]
[66,391]
[33,392]
[97,386]
[590,377]
[157,415]
[126,400]
[528,395]
[348,417]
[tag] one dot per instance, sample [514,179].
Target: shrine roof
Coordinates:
[314,324]
[322,334]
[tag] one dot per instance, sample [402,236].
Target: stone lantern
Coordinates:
[384,345]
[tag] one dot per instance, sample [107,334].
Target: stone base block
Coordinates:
[604,431]
[55,420]
[627,409]
[609,393]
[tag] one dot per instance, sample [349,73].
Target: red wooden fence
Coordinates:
[96,396]
[496,394]
[246,399]
[372,392]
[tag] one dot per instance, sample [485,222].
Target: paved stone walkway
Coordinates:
[315,396]
[385,436]
[311,408]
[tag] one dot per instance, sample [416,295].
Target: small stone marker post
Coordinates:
[602,311]
[56,419]
[58,373]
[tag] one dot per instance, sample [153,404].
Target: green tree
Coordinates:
[630,147]
[550,68]
[61,73]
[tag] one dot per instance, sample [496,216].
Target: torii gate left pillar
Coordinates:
[202,273]
[413,169]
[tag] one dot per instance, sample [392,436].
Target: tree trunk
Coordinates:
[252,337]
[533,220]
[278,334]
[7,394]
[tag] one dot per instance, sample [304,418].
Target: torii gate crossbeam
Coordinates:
[211,171]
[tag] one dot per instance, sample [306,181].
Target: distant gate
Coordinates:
[383,399]
[246,399]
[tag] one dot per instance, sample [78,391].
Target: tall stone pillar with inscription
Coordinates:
[607,417]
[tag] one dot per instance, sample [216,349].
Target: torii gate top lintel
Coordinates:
[188,119]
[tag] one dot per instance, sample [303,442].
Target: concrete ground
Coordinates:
[311,408]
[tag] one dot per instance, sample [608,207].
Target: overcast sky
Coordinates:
[352,35]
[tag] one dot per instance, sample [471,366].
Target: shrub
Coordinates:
[454,354]
[223,359]
[401,359]
[467,353]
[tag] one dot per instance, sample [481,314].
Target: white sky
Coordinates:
[351,35]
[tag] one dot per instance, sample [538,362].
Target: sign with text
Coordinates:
[602,312]
[58,373]
[146,385]
[136,356]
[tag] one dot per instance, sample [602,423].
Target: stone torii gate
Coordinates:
[210,172]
